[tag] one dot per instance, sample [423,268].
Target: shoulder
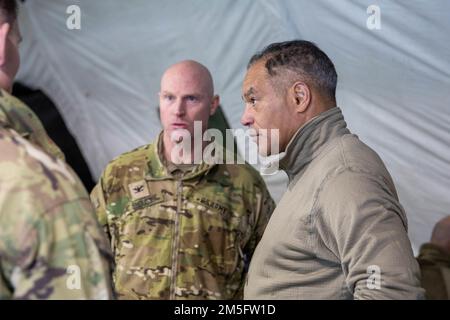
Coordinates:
[128,167]
[28,173]
[355,153]
[25,157]
[349,164]
[137,158]
[35,186]
[356,193]
[242,175]
[8,101]
[16,110]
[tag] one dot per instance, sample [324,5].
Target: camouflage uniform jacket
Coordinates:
[51,245]
[16,115]
[185,237]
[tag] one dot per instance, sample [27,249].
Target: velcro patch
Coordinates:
[145,202]
[138,190]
[214,205]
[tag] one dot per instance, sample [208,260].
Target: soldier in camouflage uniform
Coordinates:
[181,231]
[51,246]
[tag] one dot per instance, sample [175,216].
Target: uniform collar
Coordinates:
[309,141]
[9,117]
[4,121]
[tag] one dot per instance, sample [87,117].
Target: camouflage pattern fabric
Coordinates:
[51,245]
[180,236]
[16,115]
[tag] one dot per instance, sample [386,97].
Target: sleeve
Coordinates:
[51,245]
[264,208]
[361,221]
[264,205]
[98,201]
[60,253]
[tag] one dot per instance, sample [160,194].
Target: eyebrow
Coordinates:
[249,92]
[197,95]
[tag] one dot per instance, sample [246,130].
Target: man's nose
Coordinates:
[247,118]
[179,107]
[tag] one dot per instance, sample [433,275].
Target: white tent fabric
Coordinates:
[393,82]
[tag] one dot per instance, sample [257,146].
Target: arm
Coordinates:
[99,203]
[363,224]
[51,246]
[264,206]
[59,254]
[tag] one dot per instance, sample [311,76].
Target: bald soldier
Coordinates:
[187,230]
[51,246]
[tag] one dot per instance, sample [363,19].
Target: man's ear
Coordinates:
[4,31]
[300,96]
[214,105]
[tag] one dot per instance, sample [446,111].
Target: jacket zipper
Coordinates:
[176,241]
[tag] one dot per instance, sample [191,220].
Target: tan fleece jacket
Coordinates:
[339,232]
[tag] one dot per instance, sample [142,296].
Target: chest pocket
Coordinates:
[147,219]
[215,237]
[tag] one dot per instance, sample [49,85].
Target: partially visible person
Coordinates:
[51,245]
[434,261]
[181,230]
[14,113]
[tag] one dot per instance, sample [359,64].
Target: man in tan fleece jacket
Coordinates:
[339,232]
